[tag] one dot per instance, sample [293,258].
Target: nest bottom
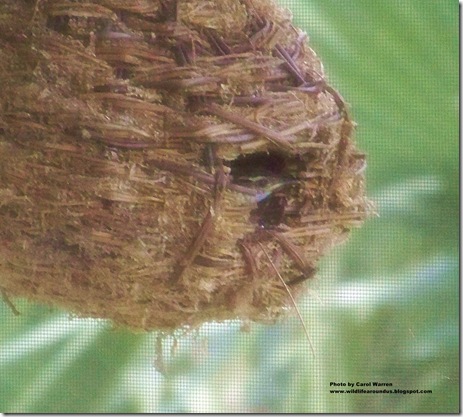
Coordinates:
[184,260]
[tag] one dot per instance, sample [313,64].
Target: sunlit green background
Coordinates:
[385,306]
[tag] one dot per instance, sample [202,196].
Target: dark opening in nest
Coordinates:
[274,175]
[259,165]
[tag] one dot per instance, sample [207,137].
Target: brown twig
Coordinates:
[248,258]
[207,225]
[275,137]
[294,253]
[190,170]
[9,303]
[292,66]
[197,244]
[290,296]
[217,42]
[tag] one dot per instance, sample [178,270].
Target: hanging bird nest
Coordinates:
[161,160]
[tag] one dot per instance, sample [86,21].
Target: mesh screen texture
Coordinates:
[383,313]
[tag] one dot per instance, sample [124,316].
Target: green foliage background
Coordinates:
[385,307]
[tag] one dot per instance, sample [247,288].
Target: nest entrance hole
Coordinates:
[250,168]
[274,176]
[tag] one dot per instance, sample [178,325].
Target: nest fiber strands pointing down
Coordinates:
[153,152]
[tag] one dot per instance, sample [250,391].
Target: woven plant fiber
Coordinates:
[160,161]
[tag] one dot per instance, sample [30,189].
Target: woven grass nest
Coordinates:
[160,160]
